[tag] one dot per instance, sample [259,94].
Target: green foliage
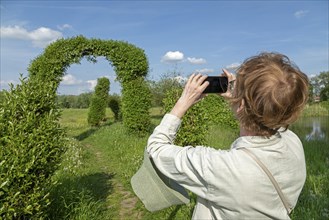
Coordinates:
[115,105]
[194,124]
[74,101]
[324,94]
[219,111]
[96,112]
[319,82]
[129,63]
[213,109]
[136,102]
[310,93]
[32,144]
[99,100]
[2,96]
[160,88]
[313,202]
[325,104]
[316,109]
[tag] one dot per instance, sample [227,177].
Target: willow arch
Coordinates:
[31,140]
[128,61]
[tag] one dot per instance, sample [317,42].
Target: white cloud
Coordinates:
[69,80]
[173,57]
[40,37]
[7,82]
[204,71]
[64,26]
[197,61]
[92,84]
[181,79]
[232,66]
[300,13]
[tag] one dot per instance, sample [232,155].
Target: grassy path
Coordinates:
[120,201]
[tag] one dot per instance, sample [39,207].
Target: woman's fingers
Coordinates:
[199,83]
[190,79]
[231,82]
[229,75]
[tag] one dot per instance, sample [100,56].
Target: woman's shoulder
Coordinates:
[289,135]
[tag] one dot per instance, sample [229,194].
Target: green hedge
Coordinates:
[97,110]
[136,102]
[129,63]
[194,124]
[213,109]
[115,105]
[219,111]
[32,143]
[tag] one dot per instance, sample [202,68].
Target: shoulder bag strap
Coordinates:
[270,176]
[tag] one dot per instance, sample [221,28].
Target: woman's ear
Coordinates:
[241,106]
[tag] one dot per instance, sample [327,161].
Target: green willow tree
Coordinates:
[320,85]
[97,110]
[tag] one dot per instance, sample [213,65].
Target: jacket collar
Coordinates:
[256,141]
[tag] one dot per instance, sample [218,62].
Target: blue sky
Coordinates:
[180,36]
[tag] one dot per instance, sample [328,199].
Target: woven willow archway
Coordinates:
[129,63]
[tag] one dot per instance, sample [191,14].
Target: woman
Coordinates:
[268,95]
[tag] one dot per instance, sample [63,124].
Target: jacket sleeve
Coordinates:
[186,165]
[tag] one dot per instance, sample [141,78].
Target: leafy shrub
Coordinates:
[2,96]
[97,111]
[324,94]
[136,102]
[115,105]
[160,88]
[194,124]
[32,144]
[219,111]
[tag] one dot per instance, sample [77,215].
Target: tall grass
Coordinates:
[106,156]
[317,109]
[314,200]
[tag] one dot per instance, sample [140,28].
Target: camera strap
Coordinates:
[270,176]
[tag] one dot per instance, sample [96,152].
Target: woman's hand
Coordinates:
[192,93]
[231,83]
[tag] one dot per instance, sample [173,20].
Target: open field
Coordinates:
[95,175]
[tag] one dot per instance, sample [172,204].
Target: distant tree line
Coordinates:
[75,101]
[319,89]
[82,101]
[158,90]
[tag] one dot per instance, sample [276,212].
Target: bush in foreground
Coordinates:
[32,144]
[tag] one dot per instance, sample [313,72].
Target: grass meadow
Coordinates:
[94,178]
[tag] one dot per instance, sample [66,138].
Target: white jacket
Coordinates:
[228,183]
